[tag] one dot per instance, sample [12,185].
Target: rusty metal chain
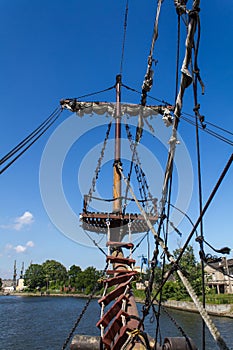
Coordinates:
[99,163]
[141,177]
[82,312]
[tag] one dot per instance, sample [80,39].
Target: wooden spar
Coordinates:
[117,157]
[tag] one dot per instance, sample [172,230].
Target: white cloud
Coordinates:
[20,222]
[20,249]
[30,244]
[24,220]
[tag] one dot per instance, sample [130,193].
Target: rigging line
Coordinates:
[117,198]
[139,243]
[29,137]
[148,79]
[94,93]
[124,36]
[165,241]
[197,115]
[182,212]
[185,81]
[213,329]
[210,132]
[177,55]
[209,123]
[173,320]
[30,144]
[138,92]
[95,243]
[216,187]
[184,113]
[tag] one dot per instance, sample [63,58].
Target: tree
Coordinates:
[90,277]
[34,277]
[191,268]
[55,273]
[0,284]
[75,277]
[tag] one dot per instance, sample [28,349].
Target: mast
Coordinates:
[22,270]
[117,156]
[14,276]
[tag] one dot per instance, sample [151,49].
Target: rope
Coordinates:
[93,93]
[30,144]
[95,243]
[215,333]
[177,55]
[29,137]
[211,132]
[224,172]
[148,79]
[208,131]
[124,36]
[186,80]
[196,110]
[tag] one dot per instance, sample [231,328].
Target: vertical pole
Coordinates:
[14,276]
[117,156]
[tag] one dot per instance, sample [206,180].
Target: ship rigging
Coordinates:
[120,325]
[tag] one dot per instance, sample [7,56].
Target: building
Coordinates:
[219,275]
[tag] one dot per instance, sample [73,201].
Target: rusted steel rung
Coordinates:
[120,245]
[118,271]
[120,278]
[120,260]
[112,312]
[114,328]
[113,294]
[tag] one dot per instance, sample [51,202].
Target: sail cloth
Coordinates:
[109,109]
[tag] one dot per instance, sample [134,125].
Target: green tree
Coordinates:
[192,270]
[55,273]
[90,277]
[34,277]
[0,284]
[75,277]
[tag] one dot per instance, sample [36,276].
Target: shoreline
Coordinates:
[221,310]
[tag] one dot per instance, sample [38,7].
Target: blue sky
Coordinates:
[57,49]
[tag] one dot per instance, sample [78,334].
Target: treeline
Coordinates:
[53,276]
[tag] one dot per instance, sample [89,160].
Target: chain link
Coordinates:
[82,312]
[97,170]
[141,177]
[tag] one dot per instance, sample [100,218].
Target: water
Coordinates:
[43,323]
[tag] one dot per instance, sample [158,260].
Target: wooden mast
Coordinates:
[117,156]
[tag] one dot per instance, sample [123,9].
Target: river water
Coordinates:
[43,323]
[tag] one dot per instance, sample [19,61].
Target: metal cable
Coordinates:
[95,243]
[94,93]
[208,131]
[124,35]
[29,137]
[30,144]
